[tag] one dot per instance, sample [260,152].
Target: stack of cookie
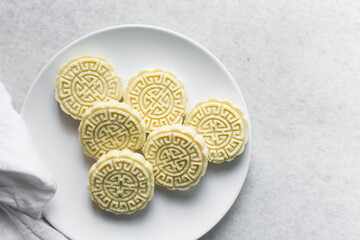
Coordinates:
[144,133]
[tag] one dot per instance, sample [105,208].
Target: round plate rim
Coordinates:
[176,34]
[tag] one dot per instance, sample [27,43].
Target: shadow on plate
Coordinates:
[68,121]
[179,195]
[140,214]
[227,166]
[88,160]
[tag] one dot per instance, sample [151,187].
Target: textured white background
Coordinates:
[298,66]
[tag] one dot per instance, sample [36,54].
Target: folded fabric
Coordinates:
[26,185]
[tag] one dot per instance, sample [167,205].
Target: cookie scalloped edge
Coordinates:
[111,104]
[156,70]
[189,132]
[130,155]
[232,106]
[62,69]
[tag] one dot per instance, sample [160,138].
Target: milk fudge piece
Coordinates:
[159,97]
[222,126]
[177,155]
[84,81]
[110,126]
[121,182]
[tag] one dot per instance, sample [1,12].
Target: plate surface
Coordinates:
[170,214]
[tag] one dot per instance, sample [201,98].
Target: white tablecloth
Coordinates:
[26,185]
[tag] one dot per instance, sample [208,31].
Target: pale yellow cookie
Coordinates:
[178,156]
[222,126]
[121,182]
[110,126]
[84,81]
[159,97]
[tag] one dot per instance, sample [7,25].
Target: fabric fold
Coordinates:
[26,185]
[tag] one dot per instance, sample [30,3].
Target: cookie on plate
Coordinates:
[121,182]
[178,156]
[84,81]
[222,126]
[159,97]
[110,126]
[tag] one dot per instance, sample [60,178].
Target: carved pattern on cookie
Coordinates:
[111,126]
[222,126]
[159,97]
[84,81]
[177,155]
[121,182]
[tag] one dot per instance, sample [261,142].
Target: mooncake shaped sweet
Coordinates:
[84,81]
[222,126]
[110,126]
[121,182]
[159,97]
[177,155]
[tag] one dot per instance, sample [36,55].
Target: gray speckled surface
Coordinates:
[298,66]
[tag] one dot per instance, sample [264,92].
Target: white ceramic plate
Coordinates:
[170,214]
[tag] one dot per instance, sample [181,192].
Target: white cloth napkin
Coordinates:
[26,185]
